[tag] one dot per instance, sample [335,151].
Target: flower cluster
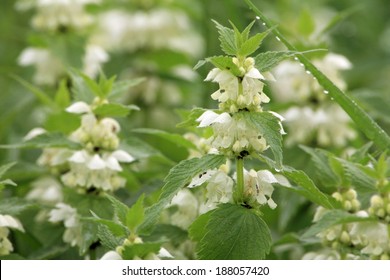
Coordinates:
[313,117]
[98,163]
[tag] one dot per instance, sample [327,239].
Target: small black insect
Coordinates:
[243,154]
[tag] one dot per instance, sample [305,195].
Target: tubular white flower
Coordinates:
[259,185]
[79,107]
[122,156]
[207,118]
[96,163]
[7,221]
[111,255]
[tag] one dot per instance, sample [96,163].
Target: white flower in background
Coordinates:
[54,157]
[372,237]
[52,15]
[231,134]
[7,222]
[328,125]
[315,117]
[229,95]
[94,57]
[47,190]
[68,215]
[153,29]
[259,185]
[48,67]
[187,209]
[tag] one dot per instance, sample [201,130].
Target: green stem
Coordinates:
[239,192]
[366,124]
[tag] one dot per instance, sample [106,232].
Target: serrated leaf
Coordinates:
[306,187]
[198,230]
[80,90]
[177,139]
[225,63]
[14,206]
[265,61]
[245,33]
[120,209]
[121,87]
[138,148]
[46,140]
[339,171]
[306,24]
[89,235]
[116,229]
[235,233]
[178,177]
[323,170]
[269,126]
[365,123]
[227,39]
[361,155]
[141,250]
[252,44]
[135,215]
[332,218]
[114,110]
[107,238]
[192,117]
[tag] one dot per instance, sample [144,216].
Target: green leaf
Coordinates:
[306,187]
[39,94]
[7,182]
[177,139]
[120,209]
[162,232]
[235,233]
[245,33]
[269,126]
[198,230]
[121,87]
[365,123]
[89,235]
[306,24]
[225,63]
[192,117]
[138,148]
[80,89]
[332,218]
[14,206]
[135,215]
[107,238]
[5,167]
[200,63]
[361,155]
[265,61]
[46,140]
[323,170]
[141,250]
[227,39]
[62,98]
[114,110]
[252,44]
[116,229]
[178,177]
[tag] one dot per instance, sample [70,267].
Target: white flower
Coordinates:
[373,237]
[111,255]
[94,57]
[48,67]
[79,107]
[10,222]
[232,135]
[259,185]
[68,215]
[46,189]
[187,208]
[34,133]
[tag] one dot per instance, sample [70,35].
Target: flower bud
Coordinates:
[345,237]
[376,201]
